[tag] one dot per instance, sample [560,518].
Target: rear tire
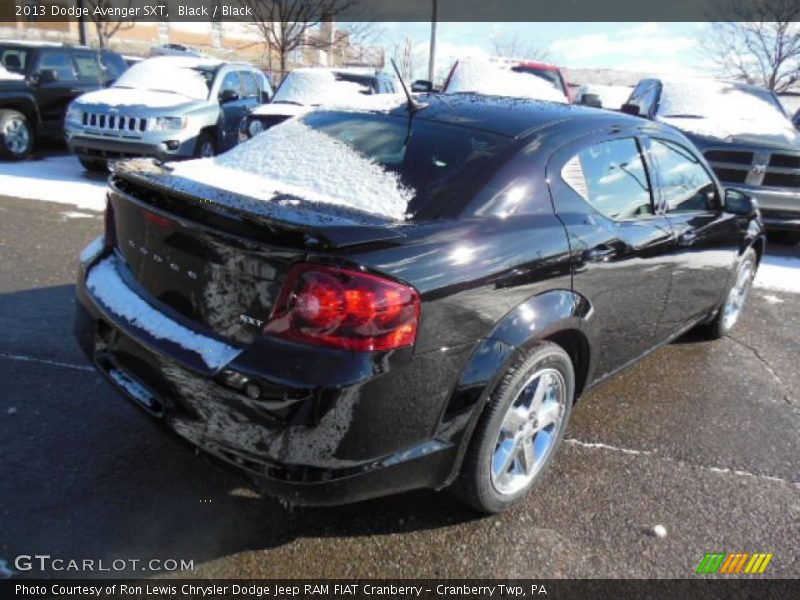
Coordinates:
[206,146]
[16,135]
[95,166]
[730,311]
[519,431]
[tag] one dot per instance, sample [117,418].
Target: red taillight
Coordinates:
[345,309]
[110,227]
[157,220]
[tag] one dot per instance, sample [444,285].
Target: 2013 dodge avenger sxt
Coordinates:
[358,303]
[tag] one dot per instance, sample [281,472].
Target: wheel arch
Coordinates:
[555,316]
[23,104]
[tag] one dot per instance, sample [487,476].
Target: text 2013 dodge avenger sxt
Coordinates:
[357,303]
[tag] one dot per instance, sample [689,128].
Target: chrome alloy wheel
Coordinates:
[738,295]
[17,136]
[529,431]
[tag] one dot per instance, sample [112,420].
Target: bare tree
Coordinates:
[758,42]
[406,57]
[516,46]
[106,27]
[287,25]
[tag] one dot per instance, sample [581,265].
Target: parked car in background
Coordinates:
[38,81]
[167,107]
[356,303]
[177,50]
[610,97]
[743,132]
[306,88]
[507,77]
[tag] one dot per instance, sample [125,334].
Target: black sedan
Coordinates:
[335,352]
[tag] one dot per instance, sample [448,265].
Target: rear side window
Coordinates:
[611,176]
[60,62]
[685,184]
[113,65]
[88,66]
[231,82]
[249,85]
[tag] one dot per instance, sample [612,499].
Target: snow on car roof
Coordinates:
[294,159]
[498,78]
[316,86]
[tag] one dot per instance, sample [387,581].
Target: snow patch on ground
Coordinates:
[72,214]
[55,179]
[498,79]
[779,273]
[108,287]
[292,158]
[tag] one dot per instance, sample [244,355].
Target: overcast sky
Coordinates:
[651,47]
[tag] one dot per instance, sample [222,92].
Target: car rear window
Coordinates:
[443,165]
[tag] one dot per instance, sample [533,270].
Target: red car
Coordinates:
[508,77]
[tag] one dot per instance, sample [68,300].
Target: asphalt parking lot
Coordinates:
[702,438]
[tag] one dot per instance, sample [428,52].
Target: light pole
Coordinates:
[82,37]
[432,56]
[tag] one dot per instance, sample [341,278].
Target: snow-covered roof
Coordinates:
[178,74]
[497,78]
[294,159]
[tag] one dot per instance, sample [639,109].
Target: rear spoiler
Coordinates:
[329,225]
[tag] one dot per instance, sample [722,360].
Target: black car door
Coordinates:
[619,241]
[707,238]
[56,84]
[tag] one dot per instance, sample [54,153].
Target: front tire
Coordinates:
[728,314]
[16,135]
[519,431]
[206,146]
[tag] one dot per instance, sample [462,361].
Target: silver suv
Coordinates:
[167,107]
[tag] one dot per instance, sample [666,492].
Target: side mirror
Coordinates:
[739,203]
[47,76]
[228,96]
[422,86]
[631,109]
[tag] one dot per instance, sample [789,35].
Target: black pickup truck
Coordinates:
[38,81]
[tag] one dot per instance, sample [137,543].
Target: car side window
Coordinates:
[113,65]
[611,176]
[88,66]
[231,82]
[249,85]
[59,61]
[685,184]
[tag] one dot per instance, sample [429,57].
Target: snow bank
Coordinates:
[108,287]
[8,75]
[116,96]
[175,74]
[315,86]
[291,158]
[780,273]
[724,110]
[497,78]
[55,179]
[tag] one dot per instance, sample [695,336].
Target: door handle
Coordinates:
[75,90]
[687,238]
[599,254]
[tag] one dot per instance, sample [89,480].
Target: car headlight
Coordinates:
[169,123]
[74,115]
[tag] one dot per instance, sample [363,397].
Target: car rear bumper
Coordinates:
[320,445]
[95,148]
